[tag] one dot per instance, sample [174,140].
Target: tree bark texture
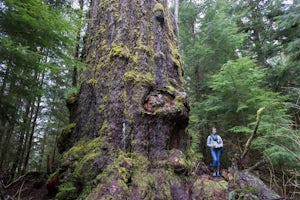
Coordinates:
[134,75]
[131,110]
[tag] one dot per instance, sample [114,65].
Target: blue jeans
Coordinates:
[216,156]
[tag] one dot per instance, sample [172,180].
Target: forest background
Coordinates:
[239,56]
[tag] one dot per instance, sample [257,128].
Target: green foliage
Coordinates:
[209,38]
[281,148]
[69,188]
[71,95]
[26,28]
[239,91]
[284,74]
[213,33]
[257,19]
[66,192]
[214,36]
[37,39]
[218,36]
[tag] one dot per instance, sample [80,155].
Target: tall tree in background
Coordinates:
[36,43]
[79,38]
[176,16]
[285,73]
[257,19]
[215,32]
[130,113]
[209,38]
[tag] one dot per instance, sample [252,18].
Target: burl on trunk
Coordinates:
[127,133]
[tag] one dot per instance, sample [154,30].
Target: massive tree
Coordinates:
[127,132]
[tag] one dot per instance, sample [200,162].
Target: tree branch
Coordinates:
[253,136]
[259,163]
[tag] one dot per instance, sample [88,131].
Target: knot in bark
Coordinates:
[173,106]
[159,16]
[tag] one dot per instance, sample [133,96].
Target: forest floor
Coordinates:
[29,187]
[32,186]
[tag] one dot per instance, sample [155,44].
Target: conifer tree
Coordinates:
[129,115]
[35,43]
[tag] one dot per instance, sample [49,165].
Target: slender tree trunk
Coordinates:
[32,127]
[56,142]
[176,16]
[26,129]
[9,123]
[75,70]
[77,49]
[3,86]
[30,140]
[3,119]
[7,136]
[21,142]
[131,101]
[5,145]
[257,39]
[197,81]
[42,152]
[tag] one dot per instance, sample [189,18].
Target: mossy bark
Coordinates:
[131,107]
[131,56]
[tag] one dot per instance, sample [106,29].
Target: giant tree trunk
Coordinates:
[128,120]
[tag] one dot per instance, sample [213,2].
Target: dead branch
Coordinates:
[254,167]
[20,191]
[15,181]
[252,137]
[3,194]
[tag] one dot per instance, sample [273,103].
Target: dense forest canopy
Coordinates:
[238,57]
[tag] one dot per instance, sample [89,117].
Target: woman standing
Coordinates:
[215,143]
